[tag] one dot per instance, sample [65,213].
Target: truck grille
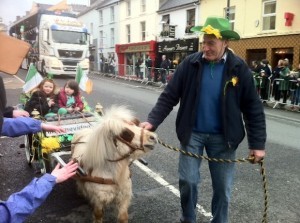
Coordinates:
[69,63]
[70,53]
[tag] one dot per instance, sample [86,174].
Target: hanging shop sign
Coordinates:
[172,31]
[183,45]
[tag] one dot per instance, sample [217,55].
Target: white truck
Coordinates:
[59,42]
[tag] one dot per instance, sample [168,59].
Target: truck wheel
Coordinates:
[45,164]
[28,148]
[44,73]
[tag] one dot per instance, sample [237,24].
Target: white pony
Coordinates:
[105,152]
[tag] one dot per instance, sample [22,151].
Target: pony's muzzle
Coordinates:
[151,140]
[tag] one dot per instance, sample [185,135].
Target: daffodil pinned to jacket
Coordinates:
[234,81]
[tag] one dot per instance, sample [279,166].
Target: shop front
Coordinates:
[271,48]
[132,57]
[176,50]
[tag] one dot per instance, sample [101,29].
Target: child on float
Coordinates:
[43,99]
[69,99]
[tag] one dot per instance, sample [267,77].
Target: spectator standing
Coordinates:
[92,61]
[265,73]
[276,80]
[164,67]
[296,96]
[218,102]
[284,85]
[112,66]
[149,67]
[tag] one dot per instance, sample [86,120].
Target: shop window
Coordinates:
[143,31]
[190,20]
[255,55]
[269,15]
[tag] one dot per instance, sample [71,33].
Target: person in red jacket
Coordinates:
[69,99]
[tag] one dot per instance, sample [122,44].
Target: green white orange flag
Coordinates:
[32,80]
[82,79]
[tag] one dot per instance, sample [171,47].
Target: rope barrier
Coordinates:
[242,160]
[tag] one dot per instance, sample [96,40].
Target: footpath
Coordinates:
[279,112]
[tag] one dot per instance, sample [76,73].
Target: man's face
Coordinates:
[213,48]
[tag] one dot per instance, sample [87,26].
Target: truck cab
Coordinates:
[59,42]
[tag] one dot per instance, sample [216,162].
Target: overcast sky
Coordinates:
[9,9]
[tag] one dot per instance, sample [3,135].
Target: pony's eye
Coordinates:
[136,122]
[127,135]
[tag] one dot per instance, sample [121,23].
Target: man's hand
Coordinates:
[20,113]
[64,173]
[257,154]
[146,125]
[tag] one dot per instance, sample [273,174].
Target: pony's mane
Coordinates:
[101,140]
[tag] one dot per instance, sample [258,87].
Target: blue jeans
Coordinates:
[222,175]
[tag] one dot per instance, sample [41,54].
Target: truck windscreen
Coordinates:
[63,36]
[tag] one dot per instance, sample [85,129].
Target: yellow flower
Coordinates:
[210,30]
[50,144]
[234,80]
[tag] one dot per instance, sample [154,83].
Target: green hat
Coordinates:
[220,27]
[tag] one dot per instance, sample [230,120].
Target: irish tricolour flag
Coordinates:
[33,79]
[82,79]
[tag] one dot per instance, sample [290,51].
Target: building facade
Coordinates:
[176,41]
[102,20]
[269,29]
[138,36]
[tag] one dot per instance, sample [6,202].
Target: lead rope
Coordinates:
[242,160]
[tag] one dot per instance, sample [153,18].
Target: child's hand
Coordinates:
[70,110]
[77,109]
[51,102]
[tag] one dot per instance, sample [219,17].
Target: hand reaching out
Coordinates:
[20,113]
[52,128]
[66,172]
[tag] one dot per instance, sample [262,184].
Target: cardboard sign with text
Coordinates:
[12,53]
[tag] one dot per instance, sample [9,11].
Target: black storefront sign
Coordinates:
[172,31]
[183,45]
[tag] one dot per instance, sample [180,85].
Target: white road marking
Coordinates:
[171,188]
[19,79]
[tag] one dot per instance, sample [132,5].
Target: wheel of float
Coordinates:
[28,148]
[45,164]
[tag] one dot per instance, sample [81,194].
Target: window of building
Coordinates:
[143,5]
[165,25]
[128,33]
[112,37]
[112,14]
[101,39]
[269,15]
[100,17]
[92,28]
[190,20]
[143,30]
[230,15]
[128,4]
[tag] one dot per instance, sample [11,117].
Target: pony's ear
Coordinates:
[127,135]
